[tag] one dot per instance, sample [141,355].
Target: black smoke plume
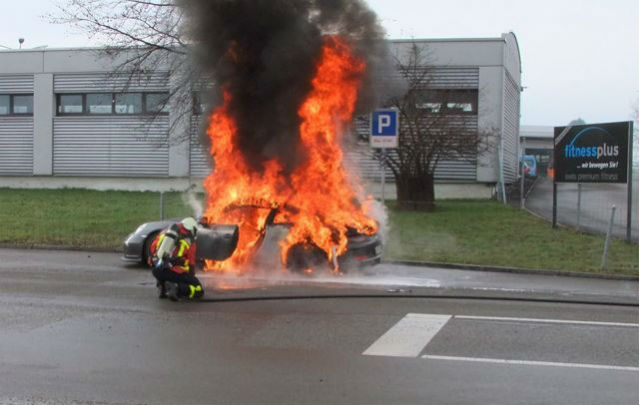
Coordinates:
[264,52]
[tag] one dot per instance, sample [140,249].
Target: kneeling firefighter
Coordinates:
[174,256]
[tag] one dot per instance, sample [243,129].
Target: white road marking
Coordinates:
[409,336]
[529,363]
[498,318]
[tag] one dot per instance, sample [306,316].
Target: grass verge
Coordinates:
[466,232]
[489,233]
[80,218]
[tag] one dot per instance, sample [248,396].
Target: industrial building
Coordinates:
[537,141]
[67,121]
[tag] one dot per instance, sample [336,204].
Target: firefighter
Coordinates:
[174,255]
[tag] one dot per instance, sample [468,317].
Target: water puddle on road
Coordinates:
[376,276]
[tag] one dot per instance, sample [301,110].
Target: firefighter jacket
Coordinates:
[182,256]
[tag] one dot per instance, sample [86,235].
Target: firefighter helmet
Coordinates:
[190,225]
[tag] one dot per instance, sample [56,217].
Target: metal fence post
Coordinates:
[607,239]
[629,181]
[554,220]
[383,180]
[579,199]
[522,176]
[162,205]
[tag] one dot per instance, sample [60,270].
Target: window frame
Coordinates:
[85,104]
[142,103]
[145,110]
[444,97]
[11,112]
[62,113]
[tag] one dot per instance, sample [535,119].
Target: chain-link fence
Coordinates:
[587,207]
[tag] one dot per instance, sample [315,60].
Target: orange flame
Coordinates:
[317,199]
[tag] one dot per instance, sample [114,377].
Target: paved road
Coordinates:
[595,211]
[81,328]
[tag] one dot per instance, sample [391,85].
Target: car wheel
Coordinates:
[302,257]
[146,250]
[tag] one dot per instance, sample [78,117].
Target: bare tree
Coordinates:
[433,128]
[141,38]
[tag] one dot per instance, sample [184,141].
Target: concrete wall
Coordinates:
[489,123]
[43,111]
[61,61]
[92,183]
[441,190]
[537,143]
[456,52]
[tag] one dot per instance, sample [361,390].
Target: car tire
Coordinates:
[146,249]
[301,257]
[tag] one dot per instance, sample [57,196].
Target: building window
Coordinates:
[100,103]
[454,101]
[460,107]
[16,104]
[431,107]
[197,103]
[157,103]
[5,104]
[70,104]
[111,103]
[128,103]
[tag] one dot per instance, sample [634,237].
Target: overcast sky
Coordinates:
[579,57]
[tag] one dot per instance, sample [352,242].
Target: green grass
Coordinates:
[469,232]
[489,233]
[79,218]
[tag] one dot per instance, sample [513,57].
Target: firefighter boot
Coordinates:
[162,289]
[195,292]
[172,290]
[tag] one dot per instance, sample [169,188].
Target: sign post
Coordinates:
[629,181]
[384,135]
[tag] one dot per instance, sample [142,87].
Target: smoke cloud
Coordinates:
[264,51]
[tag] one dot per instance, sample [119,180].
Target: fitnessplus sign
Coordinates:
[596,153]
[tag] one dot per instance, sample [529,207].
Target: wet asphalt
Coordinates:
[82,328]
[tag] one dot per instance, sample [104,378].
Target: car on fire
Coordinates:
[218,242]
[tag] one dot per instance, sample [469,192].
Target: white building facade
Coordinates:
[67,121]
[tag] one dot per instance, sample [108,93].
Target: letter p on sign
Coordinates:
[384,122]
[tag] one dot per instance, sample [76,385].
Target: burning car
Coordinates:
[285,184]
[216,243]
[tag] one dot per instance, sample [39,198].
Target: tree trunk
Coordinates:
[415,192]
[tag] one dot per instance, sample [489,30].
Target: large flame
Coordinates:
[318,199]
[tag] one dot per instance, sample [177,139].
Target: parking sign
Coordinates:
[384,128]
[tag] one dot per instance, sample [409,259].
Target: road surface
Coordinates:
[81,328]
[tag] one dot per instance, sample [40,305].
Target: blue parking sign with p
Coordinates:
[384,128]
[384,123]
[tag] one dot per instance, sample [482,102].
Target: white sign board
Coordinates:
[384,128]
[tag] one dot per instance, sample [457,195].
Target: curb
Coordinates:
[515,270]
[58,247]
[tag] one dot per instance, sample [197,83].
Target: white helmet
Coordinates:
[190,225]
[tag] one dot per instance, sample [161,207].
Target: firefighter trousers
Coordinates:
[188,285]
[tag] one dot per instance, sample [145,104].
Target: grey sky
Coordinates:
[579,57]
